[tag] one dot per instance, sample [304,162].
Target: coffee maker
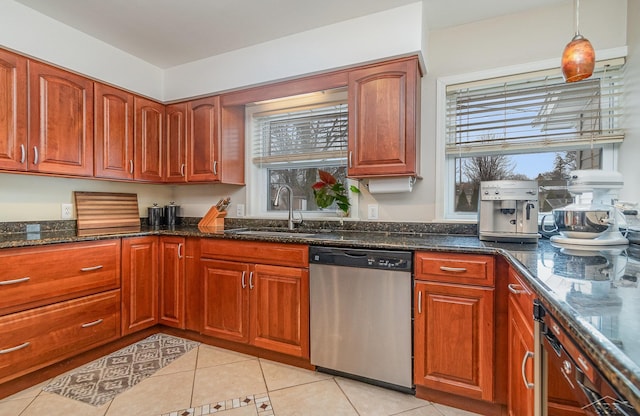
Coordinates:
[508,211]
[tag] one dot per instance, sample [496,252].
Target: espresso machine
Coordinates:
[508,211]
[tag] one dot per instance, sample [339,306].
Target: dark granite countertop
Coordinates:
[593,293]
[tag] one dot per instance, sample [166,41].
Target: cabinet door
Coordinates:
[454,339]
[139,283]
[383,119]
[13,111]
[172,281]
[149,139]
[520,333]
[113,133]
[176,143]
[61,121]
[226,300]
[280,309]
[203,138]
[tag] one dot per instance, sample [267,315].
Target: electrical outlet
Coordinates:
[239,210]
[372,211]
[67,211]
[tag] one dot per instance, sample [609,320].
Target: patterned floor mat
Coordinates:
[101,380]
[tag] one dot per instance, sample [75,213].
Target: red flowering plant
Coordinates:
[328,190]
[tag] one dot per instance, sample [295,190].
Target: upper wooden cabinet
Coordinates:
[61,121]
[176,143]
[203,138]
[384,114]
[114,148]
[13,111]
[149,140]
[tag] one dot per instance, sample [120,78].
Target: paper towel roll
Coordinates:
[391,185]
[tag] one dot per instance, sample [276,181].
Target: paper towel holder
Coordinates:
[389,185]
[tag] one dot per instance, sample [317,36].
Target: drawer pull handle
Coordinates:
[131,166]
[92,268]
[244,284]
[251,280]
[35,155]
[453,269]
[94,323]
[23,155]
[180,251]
[527,355]
[420,302]
[14,281]
[16,348]
[515,289]
[182,169]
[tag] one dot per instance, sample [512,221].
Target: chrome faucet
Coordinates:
[276,201]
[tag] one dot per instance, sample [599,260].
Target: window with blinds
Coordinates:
[535,112]
[291,139]
[531,126]
[301,135]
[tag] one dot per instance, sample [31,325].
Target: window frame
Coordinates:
[445,167]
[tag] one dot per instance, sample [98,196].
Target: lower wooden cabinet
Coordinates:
[454,339]
[520,397]
[171,281]
[265,305]
[38,337]
[139,283]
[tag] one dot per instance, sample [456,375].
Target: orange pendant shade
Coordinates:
[578,59]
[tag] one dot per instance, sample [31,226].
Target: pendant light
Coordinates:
[578,58]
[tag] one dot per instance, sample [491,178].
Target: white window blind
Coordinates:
[535,112]
[302,134]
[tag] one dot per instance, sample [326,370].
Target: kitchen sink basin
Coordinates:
[282,234]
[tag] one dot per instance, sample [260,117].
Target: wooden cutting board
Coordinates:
[98,210]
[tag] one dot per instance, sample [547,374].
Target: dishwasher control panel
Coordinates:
[372,259]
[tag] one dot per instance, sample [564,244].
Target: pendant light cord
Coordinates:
[577,17]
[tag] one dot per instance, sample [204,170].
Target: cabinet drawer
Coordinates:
[469,269]
[522,295]
[39,337]
[296,255]
[37,276]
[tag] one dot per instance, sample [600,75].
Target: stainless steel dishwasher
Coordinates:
[361,314]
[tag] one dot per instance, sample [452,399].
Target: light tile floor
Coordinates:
[209,380]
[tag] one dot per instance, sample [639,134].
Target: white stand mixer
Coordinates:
[602,188]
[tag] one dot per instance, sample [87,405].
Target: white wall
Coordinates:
[379,35]
[628,161]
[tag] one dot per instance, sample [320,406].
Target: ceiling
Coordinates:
[167,33]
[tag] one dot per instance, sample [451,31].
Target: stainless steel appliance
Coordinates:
[508,211]
[361,314]
[590,388]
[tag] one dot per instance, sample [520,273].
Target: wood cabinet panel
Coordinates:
[61,121]
[149,140]
[139,283]
[176,143]
[36,276]
[226,300]
[39,337]
[466,269]
[384,111]
[520,398]
[280,309]
[13,111]
[204,140]
[172,282]
[454,339]
[114,145]
[296,255]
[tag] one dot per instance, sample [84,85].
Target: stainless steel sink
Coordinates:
[282,234]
